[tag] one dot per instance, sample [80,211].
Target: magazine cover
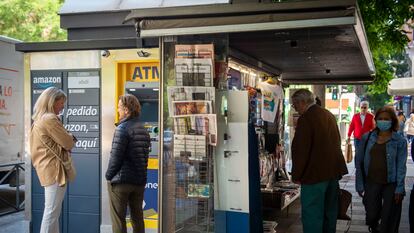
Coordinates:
[199,190]
[176,93]
[194,72]
[191,107]
[198,125]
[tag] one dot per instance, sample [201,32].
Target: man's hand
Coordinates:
[398,197]
[361,193]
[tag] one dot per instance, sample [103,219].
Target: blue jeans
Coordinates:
[357,142]
[411,211]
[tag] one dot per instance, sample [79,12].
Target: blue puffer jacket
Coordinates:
[129,154]
[396,150]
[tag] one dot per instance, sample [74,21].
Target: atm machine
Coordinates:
[147,94]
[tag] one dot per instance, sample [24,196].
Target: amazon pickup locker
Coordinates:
[93,80]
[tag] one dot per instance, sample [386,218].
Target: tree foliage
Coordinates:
[34,20]
[383,20]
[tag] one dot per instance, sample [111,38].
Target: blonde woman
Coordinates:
[49,146]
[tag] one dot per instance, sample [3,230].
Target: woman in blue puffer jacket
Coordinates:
[380,164]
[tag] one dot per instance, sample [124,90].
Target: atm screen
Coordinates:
[149,111]
[148,98]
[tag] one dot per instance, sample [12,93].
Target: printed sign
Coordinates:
[143,72]
[83,82]
[150,205]
[44,79]
[82,113]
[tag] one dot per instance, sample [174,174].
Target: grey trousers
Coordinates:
[380,206]
[121,196]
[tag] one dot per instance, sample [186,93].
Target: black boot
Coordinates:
[373,229]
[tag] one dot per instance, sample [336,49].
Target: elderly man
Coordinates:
[361,123]
[317,162]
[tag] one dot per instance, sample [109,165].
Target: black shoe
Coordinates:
[373,229]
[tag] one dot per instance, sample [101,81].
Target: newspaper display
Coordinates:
[183,108]
[194,72]
[191,108]
[195,51]
[198,125]
[176,93]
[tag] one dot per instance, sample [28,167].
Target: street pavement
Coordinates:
[289,219]
[290,222]
[11,223]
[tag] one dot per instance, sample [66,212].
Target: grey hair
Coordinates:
[364,103]
[304,95]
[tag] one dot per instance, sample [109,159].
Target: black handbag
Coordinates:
[344,201]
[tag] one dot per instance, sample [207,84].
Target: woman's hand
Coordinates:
[398,197]
[361,193]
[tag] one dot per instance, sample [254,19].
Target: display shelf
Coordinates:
[279,198]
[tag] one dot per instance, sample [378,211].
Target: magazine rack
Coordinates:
[191,111]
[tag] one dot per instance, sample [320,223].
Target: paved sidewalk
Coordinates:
[13,223]
[291,222]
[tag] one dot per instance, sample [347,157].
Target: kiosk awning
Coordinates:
[225,18]
[307,41]
[401,86]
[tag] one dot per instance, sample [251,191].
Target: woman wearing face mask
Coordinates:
[380,164]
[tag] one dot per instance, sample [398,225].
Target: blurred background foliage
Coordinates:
[383,21]
[31,20]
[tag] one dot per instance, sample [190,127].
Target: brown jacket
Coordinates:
[316,148]
[50,130]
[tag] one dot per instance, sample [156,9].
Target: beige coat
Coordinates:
[50,130]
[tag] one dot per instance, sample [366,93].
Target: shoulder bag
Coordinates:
[348,152]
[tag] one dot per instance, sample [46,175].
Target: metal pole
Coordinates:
[17,186]
[340,102]
[161,137]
